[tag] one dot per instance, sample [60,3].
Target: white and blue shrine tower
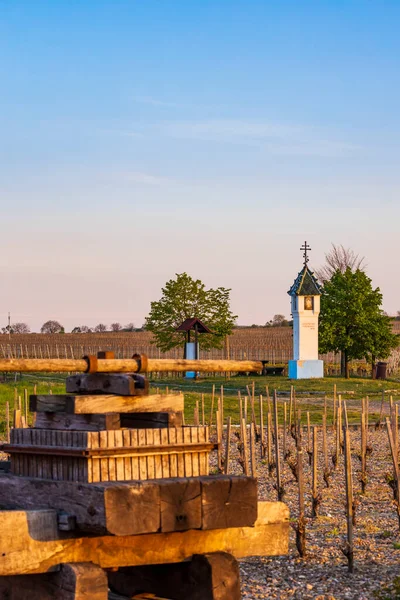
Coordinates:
[305,296]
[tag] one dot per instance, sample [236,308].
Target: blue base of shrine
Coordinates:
[306,369]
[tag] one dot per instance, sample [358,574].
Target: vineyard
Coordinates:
[273,344]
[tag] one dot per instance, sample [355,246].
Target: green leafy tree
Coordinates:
[184,298]
[352,320]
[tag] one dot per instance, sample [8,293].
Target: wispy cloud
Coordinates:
[273,138]
[141,178]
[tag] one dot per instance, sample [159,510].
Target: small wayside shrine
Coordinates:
[305,294]
[191,351]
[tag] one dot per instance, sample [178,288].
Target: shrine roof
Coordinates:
[190,324]
[305,284]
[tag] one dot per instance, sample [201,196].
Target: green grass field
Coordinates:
[310,394]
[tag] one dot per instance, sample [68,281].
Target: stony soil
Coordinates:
[323,573]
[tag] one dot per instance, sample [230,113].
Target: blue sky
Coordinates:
[143,139]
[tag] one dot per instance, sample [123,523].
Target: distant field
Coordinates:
[259,343]
[255,343]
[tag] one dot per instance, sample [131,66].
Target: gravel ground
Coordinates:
[323,573]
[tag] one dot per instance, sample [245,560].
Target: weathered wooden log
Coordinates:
[101,403]
[212,576]
[139,507]
[23,554]
[104,383]
[81,581]
[63,365]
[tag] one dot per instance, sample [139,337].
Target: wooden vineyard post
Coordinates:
[327,472]
[228,445]
[279,487]
[396,478]
[8,422]
[348,551]
[309,451]
[290,407]
[262,444]
[222,405]
[269,443]
[245,448]
[219,440]
[363,477]
[301,523]
[203,416]
[334,406]
[284,430]
[253,450]
[212,404]
[316,497]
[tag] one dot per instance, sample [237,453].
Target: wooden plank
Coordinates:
[120,467]
[187,438]
[95,443]
[180,504]
[22,554]
[126,437]
[104,383]
[173,459]
[165,458]
[228,501]
[81,581]
[65,421]
[100,404]
[103,443]
[151,458]
[135,459]
[142,459]
[112,466]
[158,473]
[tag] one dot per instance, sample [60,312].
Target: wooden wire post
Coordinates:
[253,450]
[8,422]
[262,444]
[349,550]
[228,445]
[245,448]
[212,404]
[284,430]
[301,523]
[316,497]
[396,479]
[363,477]
[219,440]
[279,488]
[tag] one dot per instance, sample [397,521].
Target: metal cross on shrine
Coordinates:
[306,247]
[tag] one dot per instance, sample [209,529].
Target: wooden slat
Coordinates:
[126,437]
[173,459]
[135,459]
[120,468]
[65,421]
